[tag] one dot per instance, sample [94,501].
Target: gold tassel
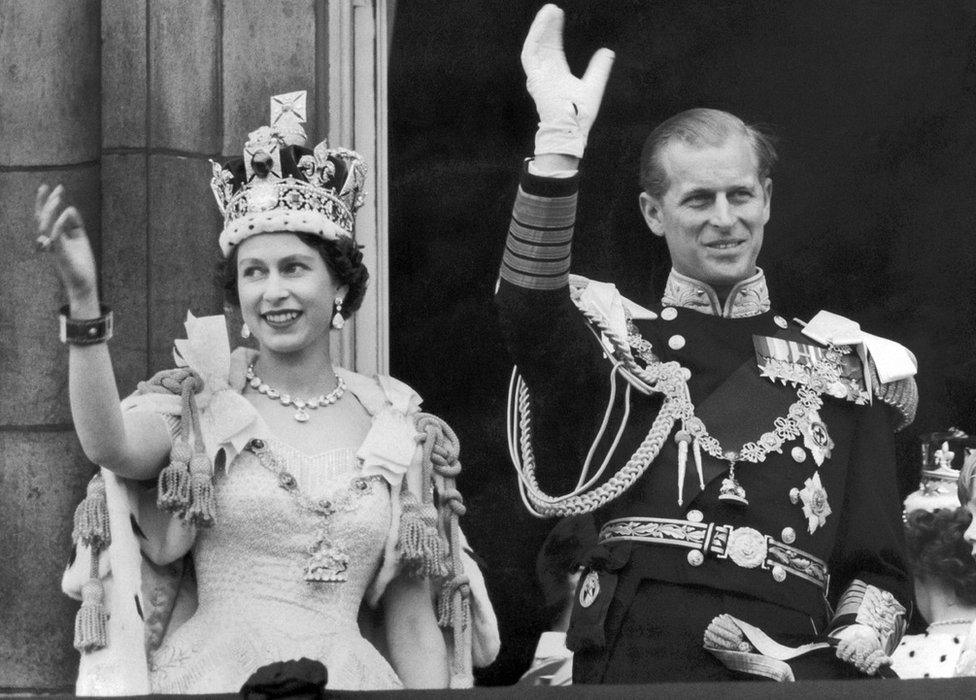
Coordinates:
[174,480]
[445,607]
[92,617]
[419,545]
[454,592]
[202,504]
[91,517]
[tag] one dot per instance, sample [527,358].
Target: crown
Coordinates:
[281,185]
[943,455]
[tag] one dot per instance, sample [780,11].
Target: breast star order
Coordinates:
[815,506]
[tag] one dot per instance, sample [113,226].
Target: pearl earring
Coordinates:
[245,331]
[337,320]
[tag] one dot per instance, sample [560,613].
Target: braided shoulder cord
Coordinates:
[658,377]
[665,378]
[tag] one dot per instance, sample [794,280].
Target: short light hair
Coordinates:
[700,127]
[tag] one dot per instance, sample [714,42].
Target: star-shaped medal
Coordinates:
[815,506]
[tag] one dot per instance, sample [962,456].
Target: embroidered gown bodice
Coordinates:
[255,605]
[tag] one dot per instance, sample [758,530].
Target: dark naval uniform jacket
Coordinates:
[817,547]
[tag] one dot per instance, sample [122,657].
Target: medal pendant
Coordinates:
[731,490]
[301,415]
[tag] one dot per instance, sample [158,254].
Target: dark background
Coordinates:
[874,106]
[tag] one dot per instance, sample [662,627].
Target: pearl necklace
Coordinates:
[301,414]
[956,621]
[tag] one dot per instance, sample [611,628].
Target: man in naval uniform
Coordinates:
[740,466]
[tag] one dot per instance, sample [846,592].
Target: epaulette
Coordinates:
[610,317]
[900,394]
[889,367]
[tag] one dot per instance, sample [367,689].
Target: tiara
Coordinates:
[280,185]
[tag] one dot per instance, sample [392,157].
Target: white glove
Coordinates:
[859,645]
[567,105]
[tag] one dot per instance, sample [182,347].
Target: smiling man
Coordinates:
[740,466]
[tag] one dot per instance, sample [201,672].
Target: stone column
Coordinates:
[49,132]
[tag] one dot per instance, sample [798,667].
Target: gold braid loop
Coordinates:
[664,378]
[659,378]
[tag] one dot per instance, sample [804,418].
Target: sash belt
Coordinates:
[743,546]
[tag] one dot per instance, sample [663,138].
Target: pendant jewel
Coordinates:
[731,490]
[327,561]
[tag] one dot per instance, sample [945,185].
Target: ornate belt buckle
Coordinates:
[747,548]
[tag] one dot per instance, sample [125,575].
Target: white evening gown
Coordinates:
[255,606]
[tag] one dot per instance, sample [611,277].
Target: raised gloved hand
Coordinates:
[567,105]
[859,645]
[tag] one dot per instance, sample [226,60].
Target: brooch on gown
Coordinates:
[327,560]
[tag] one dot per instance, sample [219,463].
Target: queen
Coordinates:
[264,504]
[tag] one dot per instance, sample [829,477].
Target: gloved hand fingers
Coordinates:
[596,76]
[716,640]
[861,652]
[723,632]
[544,42]
[845,651]
[875,660]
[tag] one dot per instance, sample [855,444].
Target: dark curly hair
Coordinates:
[937,550]
[343,256]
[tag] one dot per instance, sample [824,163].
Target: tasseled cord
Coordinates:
[91,529]
[440,457]
[186,483]
[420,547]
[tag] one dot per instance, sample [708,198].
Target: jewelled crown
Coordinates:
[943,455]
[281,185]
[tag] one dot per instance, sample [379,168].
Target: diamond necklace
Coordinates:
[301,405]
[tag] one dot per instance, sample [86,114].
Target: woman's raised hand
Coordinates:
[61,231]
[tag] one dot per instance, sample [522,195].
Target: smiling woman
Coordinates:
[329,275]
[299,489]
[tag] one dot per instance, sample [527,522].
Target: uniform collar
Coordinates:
[750,297]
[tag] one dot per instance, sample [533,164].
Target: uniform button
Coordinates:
[676,342]
[780,321]
[798,454]
[669,313]
[779,574]
[794,495]
[695,557]
[695,516]
[788,535]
